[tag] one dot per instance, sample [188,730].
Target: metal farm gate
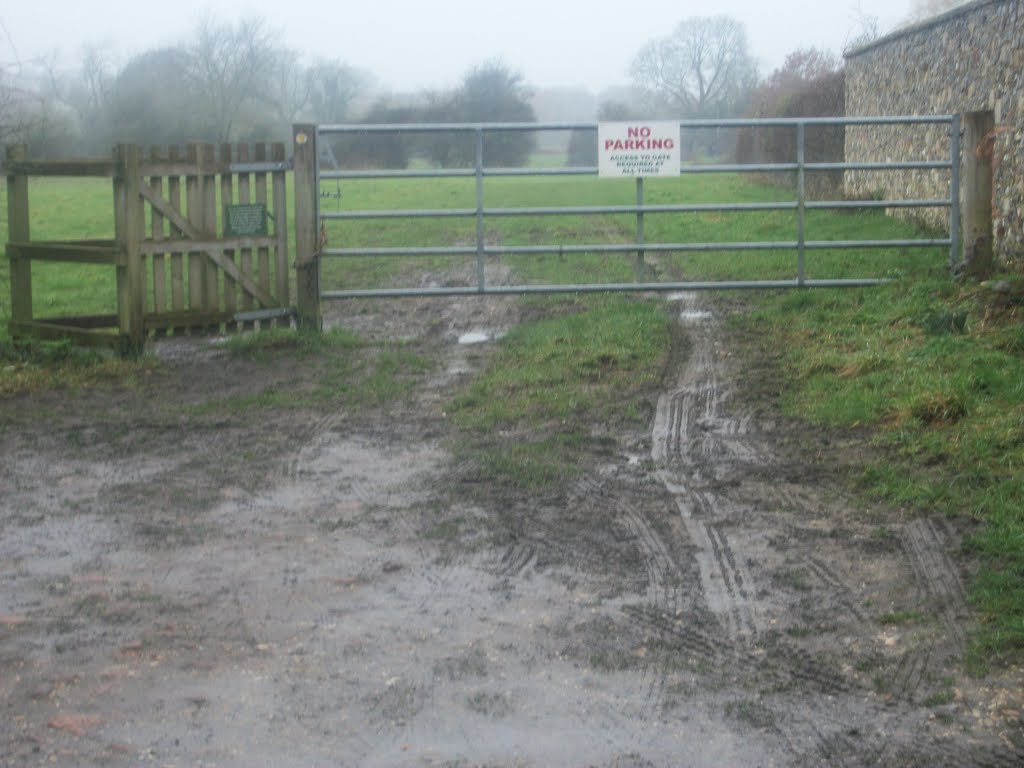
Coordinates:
[338,188]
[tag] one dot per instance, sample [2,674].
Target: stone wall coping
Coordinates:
[922,26]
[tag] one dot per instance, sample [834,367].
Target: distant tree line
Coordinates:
[235,82]
[810,83]
[229,82]
[489,93]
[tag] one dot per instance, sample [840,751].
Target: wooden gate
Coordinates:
[200,243]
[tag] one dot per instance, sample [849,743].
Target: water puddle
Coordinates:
[476,337]
[694,316]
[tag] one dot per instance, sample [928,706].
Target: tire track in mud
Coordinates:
[690,425]
[839,588]
[927,543]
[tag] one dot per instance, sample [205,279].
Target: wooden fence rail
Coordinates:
[200,242]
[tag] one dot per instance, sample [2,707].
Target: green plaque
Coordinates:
[243,220]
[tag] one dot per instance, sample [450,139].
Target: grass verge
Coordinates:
[36,366]
[935,371]
[339,369]
[561,387]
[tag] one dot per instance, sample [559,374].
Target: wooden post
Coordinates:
[307,228]
[129,225]
[976,190]
[18,232]
[280,195]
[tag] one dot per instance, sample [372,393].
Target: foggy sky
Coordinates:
[411,45]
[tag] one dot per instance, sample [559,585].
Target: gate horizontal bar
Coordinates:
[419,213]
[909,165]
[425,251]
[508,290]
[466,173]
[264,314]
[570,126]
[268,167]
[525,250]
[426,173]
[943,202]
[620,209]
[819,245]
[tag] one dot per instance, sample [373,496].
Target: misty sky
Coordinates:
[414,44]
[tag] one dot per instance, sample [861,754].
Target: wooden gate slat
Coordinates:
[227,197]
[194,224]
[246,253]
[261,198]
[281,225]
[177,273]
[157,234]
[209,182]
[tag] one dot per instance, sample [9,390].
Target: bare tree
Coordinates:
[287,92]
[865,29]
[228,66]
[332,87]
[702,69]
[17,102]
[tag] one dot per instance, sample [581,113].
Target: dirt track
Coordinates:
[332,589]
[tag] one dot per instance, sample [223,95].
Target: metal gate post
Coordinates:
[954,193]
[639,266]
[480,245]
[801,204]
[307,227]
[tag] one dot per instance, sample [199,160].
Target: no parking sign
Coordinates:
[638,149]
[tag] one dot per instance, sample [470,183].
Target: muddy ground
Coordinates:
[333,589]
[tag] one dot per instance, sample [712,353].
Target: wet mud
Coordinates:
[332,589]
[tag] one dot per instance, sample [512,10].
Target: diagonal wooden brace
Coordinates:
[216,257]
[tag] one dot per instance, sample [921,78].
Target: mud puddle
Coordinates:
[709,599]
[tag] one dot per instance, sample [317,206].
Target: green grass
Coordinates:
[529,413]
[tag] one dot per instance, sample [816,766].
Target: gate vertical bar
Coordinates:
[639,266]
[481,285]
[18,231]
[307,227]
[801,203]
[954,193]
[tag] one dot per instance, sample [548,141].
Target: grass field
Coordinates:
[930,368]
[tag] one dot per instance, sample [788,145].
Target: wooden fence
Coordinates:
[200,242]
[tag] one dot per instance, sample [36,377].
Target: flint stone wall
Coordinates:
[970,59]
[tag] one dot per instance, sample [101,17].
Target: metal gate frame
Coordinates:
[800,245]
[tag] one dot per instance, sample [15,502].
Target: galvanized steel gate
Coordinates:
[800,245]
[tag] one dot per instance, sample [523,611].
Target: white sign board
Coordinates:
[638,149]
